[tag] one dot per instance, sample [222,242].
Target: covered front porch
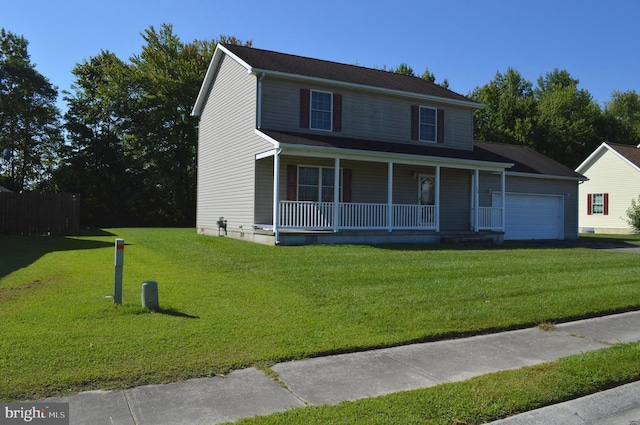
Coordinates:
[300,199]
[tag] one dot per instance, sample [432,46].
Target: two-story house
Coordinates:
[295,150]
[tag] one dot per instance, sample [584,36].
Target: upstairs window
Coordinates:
[321,110]
[427,124]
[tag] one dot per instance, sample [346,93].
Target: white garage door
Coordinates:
[532,216]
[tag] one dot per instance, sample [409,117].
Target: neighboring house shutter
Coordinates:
[337,112]
[415,121]
[589,204]
[606,204]
[292,182]
[305,98]
[347,176]
[440,124]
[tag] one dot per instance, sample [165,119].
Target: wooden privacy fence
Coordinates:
[39,214]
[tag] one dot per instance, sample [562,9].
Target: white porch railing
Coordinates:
[489,218]
[353,215]
[306,215]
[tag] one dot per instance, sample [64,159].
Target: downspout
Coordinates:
[259,102]
[503,185]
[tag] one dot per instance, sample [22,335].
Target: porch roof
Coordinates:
[318,144]
[512,158]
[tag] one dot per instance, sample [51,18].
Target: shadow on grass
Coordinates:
[17,252]
[175,313]
[598,242]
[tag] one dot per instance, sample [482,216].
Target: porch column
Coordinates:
[437,198]
[276,195]
[476,200]
[337,181]
[390,197]
[503,188]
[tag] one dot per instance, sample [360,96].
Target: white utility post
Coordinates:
[119,262]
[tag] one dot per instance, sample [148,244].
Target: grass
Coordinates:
[229,304]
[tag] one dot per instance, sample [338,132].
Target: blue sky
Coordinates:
[465,41]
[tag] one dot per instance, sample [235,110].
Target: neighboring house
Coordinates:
[274,128]
[614,180]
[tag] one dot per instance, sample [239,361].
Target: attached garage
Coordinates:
[532,216]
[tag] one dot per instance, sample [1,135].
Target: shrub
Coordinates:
[633,214]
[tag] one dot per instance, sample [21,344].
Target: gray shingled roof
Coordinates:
[298,65]
[631,152]
[524,159]
[527,160]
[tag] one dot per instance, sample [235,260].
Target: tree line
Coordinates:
[127,142]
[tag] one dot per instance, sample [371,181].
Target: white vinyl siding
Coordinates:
[609,174]
[226,150]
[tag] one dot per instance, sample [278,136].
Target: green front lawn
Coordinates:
[228,304]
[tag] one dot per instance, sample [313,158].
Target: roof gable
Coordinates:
[628,153]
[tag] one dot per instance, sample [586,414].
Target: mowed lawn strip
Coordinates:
[482,399]
[229,304]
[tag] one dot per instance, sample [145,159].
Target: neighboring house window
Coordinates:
[427,124]
[316,184]
[320,110]
[598,203]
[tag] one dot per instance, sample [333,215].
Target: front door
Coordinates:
[427,190]
[427,196]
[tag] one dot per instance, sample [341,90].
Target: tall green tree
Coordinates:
[167,75]
[132,135]
[30,132]
[623,115]
[96,162]
[509,109]
[568,120]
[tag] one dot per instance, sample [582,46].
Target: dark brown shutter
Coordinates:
[292,182]
[347,177]
[305,98]
[415,122]
[337,112]
[606,204]
[440,124]
[589,204]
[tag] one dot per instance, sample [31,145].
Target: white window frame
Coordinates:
[434,124]
[320,187]
[312,110]
[597,207]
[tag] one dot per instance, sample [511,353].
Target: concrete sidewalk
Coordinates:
[332,379]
